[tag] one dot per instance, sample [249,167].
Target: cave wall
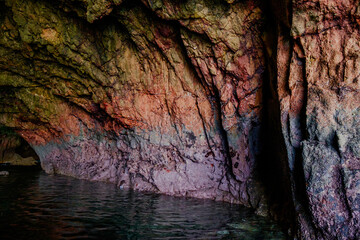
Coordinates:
[251,102]
[163,97]
[317,87]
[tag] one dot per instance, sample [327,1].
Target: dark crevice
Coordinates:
[204,127]
[303,114]
[273,165]
[342,192]
[15,151]
[290,182]
[97,112]
[215,101]
[74,9]
[3,11]
[334,143]
[222,132]
[197,72]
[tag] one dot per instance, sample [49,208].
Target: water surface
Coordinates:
[34,205]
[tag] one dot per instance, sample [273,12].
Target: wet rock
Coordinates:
[162,97]
[248,102]
[317,90]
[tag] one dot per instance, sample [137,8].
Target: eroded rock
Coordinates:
[317,51]
[239,101]
[163,97]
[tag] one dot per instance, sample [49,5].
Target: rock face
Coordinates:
[317,70]
[163,97]
[240,101]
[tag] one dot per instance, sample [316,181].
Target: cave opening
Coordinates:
[15,151]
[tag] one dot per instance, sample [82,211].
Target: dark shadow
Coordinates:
[273,166]
[15,151]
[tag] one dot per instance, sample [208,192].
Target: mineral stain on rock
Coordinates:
[251,102]
[50,35]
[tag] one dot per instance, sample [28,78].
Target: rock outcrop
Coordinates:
[163,97]
[317,70]
[240,101]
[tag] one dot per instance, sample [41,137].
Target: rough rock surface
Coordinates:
[317,86]
[163,97]
[241,101]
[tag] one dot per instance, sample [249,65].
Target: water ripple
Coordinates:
[34,205]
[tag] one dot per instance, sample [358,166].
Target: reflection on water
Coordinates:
[34,205]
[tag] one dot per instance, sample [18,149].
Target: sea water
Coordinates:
[35,205]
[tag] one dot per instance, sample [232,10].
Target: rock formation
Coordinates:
[243,101]
[317,69]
